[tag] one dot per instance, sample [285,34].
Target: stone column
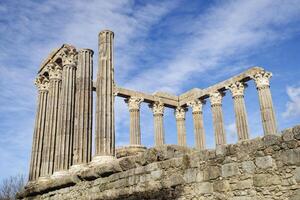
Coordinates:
[42,84]
[198,123]
[180,123]
[237,90]
[135,128]
[262,80]
[64,139]
[158,114]
[82,143]
[216,107]
[52,125]
[105,129]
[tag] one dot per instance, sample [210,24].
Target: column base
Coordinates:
[60,174]
[130,150]
[98,160]
[31,183]
[43,178]
[77,168]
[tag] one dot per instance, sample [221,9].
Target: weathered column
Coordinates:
[180,123]
[52,120]
[198,123]
[262,80]
[216,107]
[158,114]
[42,84]
[64,138]
[237,90]
[105,129]
[82,143]
[135,128]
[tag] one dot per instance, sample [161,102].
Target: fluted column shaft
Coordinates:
[262,80]
[39,128]
[135,127]
[52,120]
[64,139]
[105,129]
[218,122]
[198,123]
[237,90]
[158,115]
[82,143]
[180,123]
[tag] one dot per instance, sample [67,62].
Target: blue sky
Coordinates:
[168,46]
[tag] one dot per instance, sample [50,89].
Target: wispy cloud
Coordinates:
[230,31]
[293,105]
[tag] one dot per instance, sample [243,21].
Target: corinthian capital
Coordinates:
[262,79]
[216,98]
[42,83]
[54,71]
[70,59]
[180,113]
[157,108]
[134,103]
[196,105]
[237,89]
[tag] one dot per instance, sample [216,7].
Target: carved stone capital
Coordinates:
[134,103]
[216,98]
[157,108]
[42,83]
[55,71]
[70,59]
[262,79]
[237,89]
[196,105]
[180,113]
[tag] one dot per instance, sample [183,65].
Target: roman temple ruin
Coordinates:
[62,165]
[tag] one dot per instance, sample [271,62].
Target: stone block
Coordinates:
[200,176]
[190,175]
[221,150]
[173,180]
[264,162]
[270,140]
[264,180]
[127,163]
[297,174]
[291,157]
[230,169]
[295,195]
[156,174]
[287,134]
[296,132]
[248,167]
[243,198]
[221,186]
[244,184]
[212,172]
[203,188]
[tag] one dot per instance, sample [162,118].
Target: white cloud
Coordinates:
[231,132]
[293,105]
[234,29]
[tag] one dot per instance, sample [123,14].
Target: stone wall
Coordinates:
[261,168]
